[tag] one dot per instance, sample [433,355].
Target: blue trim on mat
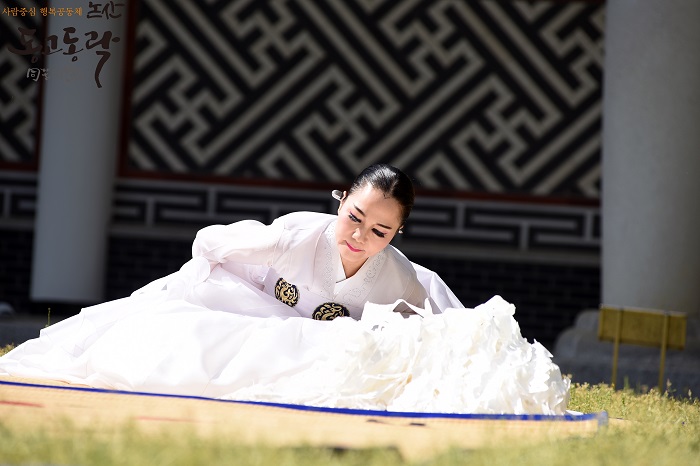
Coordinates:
[601,417]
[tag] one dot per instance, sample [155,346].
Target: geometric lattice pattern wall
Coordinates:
[18,94]
[177,209]
[486,96]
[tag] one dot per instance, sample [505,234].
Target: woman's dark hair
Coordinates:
[389,180]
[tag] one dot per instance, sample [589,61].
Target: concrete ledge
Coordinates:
[17,330]
[578,352]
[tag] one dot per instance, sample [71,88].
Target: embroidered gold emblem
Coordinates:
[329,311]
[286,292]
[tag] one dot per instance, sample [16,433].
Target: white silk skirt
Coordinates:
[459,361]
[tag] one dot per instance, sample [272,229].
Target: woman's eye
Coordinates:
[379,233]
[353,218]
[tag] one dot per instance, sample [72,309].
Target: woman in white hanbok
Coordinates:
[312,309]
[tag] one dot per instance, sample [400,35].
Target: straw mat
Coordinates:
[48,404]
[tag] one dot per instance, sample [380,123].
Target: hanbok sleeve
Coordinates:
[244,242]
[416,294]
[441,295]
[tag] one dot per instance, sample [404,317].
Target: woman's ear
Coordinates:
[342,200]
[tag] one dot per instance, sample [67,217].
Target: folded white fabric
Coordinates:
[460,361]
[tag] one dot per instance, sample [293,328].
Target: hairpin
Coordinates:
[337,194]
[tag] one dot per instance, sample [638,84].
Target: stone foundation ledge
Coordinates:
[578,352]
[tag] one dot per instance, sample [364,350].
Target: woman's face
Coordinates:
[367,221]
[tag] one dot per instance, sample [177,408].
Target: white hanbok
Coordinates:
[265,313]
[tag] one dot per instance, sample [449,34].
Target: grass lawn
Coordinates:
[660,430]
